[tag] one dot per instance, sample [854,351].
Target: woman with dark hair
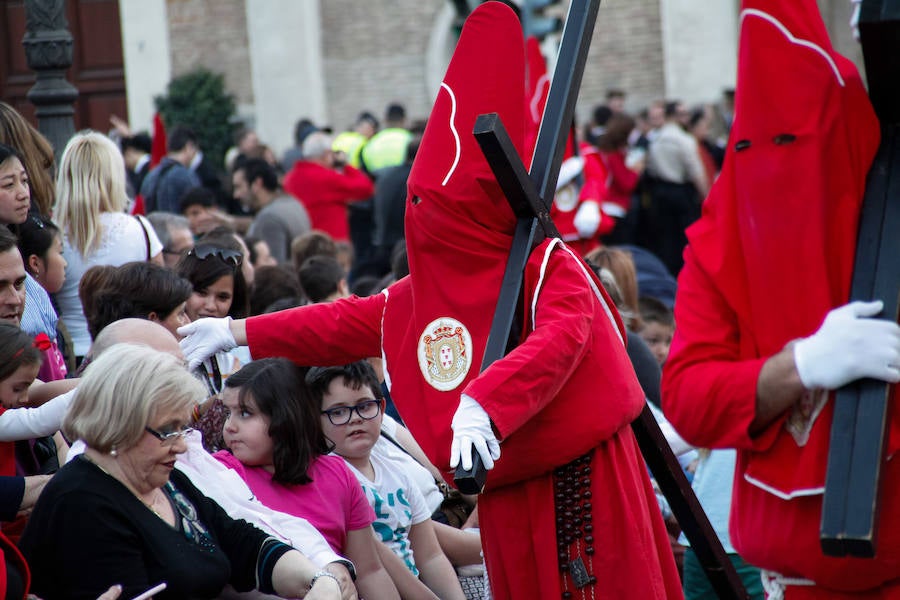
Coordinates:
[225,237]
[36,156]
[219,290]
[15,187]
[143,290]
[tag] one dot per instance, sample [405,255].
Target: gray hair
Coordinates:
[316,145]
[163,224]
[123,390]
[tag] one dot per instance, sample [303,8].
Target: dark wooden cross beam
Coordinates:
[548,153]
[526,192]
[859,429]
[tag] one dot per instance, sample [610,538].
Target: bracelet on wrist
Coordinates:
[320,574]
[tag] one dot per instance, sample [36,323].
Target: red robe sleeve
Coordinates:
[517,387]
[708,388]
[334,333]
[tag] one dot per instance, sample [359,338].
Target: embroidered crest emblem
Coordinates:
[445,353]
[566,198]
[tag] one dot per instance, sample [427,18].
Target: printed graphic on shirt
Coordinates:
[445,353]
[393,518]
[398,505]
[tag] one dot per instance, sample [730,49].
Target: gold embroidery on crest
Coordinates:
[445,353]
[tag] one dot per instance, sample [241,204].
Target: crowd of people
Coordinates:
[86,273]
[259,239]
[164,432]
[82,263]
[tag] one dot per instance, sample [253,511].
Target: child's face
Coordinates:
[213,301]
[53,275]
[246,431]
[14,389]
[356,437]
[659,338]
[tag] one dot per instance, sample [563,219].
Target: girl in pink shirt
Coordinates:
[275,443]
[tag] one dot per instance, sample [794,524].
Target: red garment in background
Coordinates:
[158,148]
[9,552]
[157,152]
[325,193]
[771,255]
[620,181]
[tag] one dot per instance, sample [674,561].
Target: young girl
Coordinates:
[40,244]
[219,290]
[351,405]
[277,446]
[20,361]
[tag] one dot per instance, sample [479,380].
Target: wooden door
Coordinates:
[97,66]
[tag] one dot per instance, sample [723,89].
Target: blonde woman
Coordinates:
[90,211]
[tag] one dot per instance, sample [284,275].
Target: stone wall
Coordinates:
[626,53]
[374,54]
[211,34]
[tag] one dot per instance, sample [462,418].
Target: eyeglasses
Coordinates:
[341,415]
[226,255]
[190,524]
[169,437]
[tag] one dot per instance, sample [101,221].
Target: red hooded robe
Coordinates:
[567,390]
[771,255]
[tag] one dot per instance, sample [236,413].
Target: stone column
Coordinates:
[48,51]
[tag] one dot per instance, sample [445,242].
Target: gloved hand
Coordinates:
[205,337]
[587,219]
[472,427]
[849,346]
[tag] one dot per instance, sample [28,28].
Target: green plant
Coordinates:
[198,99]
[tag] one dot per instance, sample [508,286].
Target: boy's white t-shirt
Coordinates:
[398,505]
[419,475]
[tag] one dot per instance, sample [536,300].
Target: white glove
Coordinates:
[472,427]
[587,219]
[205,337]
[849,346]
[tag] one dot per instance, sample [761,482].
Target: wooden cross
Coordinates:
[859,431]
[526,193]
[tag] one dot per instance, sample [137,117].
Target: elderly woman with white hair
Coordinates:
[121,514]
